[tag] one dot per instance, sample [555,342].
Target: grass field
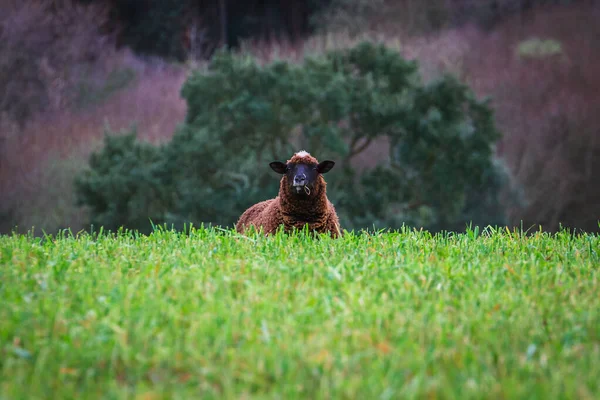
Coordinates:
[492,314]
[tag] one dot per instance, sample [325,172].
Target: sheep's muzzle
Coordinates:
[300,184]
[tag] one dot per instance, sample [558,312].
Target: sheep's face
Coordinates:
[301,178]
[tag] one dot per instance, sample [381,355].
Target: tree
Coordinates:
[242,115]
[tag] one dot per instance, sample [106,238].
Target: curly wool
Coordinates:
[291,212]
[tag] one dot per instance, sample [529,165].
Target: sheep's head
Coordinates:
[302,173]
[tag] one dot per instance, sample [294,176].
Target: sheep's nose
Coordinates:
[300,179]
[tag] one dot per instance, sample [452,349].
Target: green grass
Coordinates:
[216,315]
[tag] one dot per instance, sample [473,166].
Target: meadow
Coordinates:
[212,314]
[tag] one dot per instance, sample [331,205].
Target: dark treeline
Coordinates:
[176,29]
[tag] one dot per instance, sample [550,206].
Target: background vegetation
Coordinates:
[536,60]
[213,314]
[241,116]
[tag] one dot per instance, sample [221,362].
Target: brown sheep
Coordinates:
[302,200]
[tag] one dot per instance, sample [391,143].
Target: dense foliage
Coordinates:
[439,172]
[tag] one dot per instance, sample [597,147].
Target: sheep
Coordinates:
[302,200]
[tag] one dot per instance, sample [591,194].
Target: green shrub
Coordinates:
[440,171]
[123,187]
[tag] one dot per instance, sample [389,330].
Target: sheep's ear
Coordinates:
[278,167]
[325,166]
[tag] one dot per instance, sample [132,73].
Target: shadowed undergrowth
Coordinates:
[214,314]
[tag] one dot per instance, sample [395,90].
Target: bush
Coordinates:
[241,115]
[122,186]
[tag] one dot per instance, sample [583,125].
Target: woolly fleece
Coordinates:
[293,212]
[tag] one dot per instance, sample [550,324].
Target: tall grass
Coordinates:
[211,314]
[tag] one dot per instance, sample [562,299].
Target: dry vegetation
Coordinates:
[546,105]
[41,152]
